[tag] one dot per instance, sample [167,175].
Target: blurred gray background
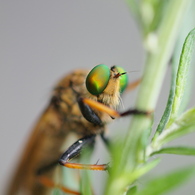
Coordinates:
[41,41]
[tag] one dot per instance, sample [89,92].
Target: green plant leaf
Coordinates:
[167,182]
[132,190]
[178,83]
[57,192]
[184,125]
[86,187]
[176,150]
[182,74]
[145,168]
[85,182]
[127,178]
[135,9]
[167,111]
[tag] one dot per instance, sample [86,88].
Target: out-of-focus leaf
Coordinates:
[86,187]
[167,182]
[132,190]
[85,182]
[176,150]
[144,169]
[57,192]
[135,9]
[128,177]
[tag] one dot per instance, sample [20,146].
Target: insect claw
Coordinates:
[108,165]
[97,161]
[107,168]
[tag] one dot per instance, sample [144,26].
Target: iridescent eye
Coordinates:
[97,79]
[123,79]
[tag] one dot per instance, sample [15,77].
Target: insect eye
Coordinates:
[123,79]
[97,79]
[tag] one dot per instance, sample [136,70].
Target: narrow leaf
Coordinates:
[182,74]
[178,83]
[176,150]
[132,190]
[184,125]
[167,182]
[168,108]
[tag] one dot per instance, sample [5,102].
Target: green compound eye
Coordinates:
[97,79]
[123,79]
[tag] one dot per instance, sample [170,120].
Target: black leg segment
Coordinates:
[88,113]
[75,149]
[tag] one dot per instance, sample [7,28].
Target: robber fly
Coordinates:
[68,112]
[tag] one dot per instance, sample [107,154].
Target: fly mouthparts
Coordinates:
[119,74]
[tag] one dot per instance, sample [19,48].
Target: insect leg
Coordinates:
[88,113]
[75,149]
[46,181]
[113,113]
[134,112]
[50,184]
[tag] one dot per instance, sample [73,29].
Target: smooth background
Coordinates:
[43,40]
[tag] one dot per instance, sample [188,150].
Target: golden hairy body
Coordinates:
[61,117]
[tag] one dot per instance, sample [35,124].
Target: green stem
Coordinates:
[154,72]
[155,68]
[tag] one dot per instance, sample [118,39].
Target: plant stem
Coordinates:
[154,72]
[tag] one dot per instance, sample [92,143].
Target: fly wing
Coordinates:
[42,149]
